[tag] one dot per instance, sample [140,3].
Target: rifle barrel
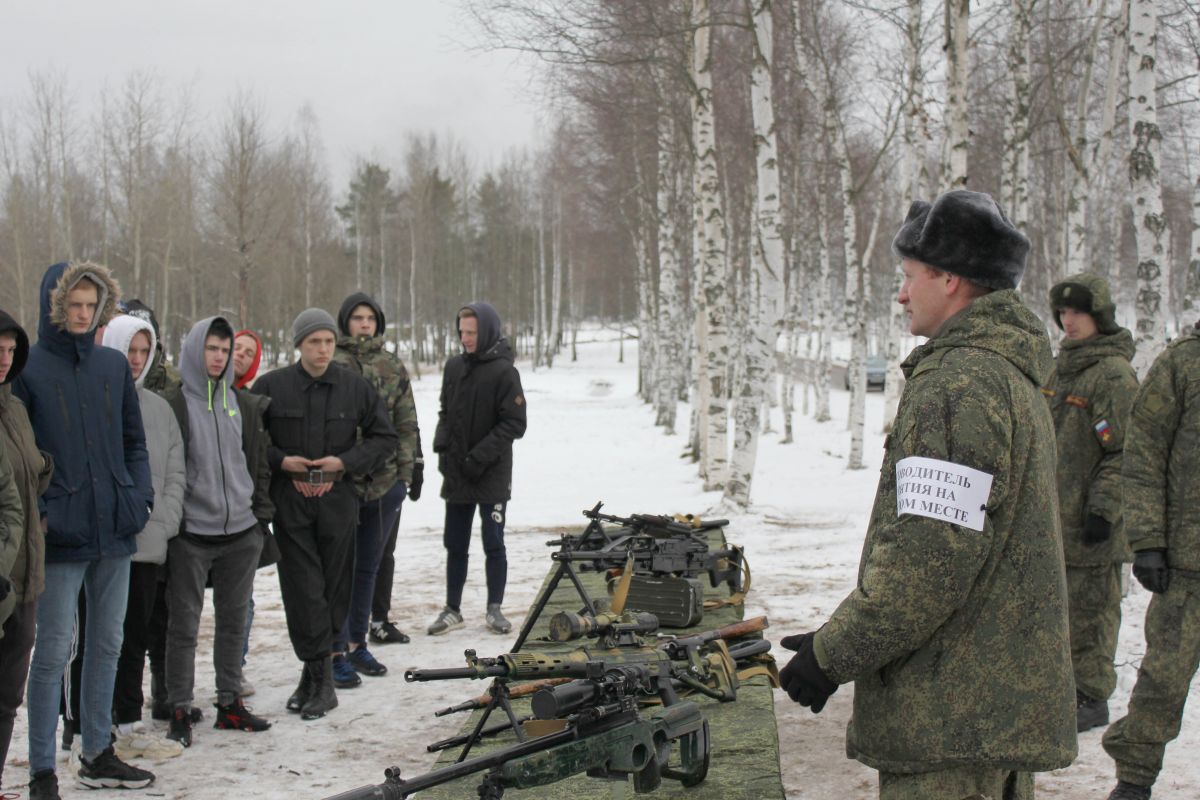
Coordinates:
[454,673]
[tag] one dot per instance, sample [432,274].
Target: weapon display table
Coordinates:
[745,741]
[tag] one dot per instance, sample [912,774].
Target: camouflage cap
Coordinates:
[1088,293]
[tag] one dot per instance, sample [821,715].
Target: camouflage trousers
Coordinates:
[1137,741]
[961,783]
[1094,600]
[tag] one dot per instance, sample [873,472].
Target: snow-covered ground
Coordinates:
[589,439]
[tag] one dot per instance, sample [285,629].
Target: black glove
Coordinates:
[472,469]
[5,587]
[418,479]
[802,678]
[1096,530]
[1150,568]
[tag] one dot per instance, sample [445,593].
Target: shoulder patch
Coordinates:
[520,400]
[1103,431]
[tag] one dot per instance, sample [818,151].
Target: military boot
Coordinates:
[322,698]
[1089,713]
[1129,791]
[299,697]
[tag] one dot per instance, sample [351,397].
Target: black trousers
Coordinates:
[15,648]
[316,563]
[381,600]
[127,693]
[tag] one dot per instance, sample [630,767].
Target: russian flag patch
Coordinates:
[1103,431]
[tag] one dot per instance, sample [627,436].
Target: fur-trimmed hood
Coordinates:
[52,318]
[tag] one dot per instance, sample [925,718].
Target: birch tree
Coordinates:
[1144,183]
[958,71]
[764,291]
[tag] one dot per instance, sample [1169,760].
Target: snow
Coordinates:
[802,537]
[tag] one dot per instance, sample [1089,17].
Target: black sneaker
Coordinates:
[44,786]
[387,633]
[181,726]
[1129,791]
[236,717]
[107,771]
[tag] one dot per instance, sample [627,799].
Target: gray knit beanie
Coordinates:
[310,320]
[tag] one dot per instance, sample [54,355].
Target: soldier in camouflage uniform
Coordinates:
[1090,394]
[1161,484]
[361,348]
[956,636]
[162,378]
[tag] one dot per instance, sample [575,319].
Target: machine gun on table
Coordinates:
[594,722]
[668,556]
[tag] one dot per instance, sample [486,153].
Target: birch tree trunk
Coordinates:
[1076,139]
[1192,285]
[823,363]
[670,295]
[554,336]
[764,290]
[712,301]
[1145,188]
[1014,183]
[958,67]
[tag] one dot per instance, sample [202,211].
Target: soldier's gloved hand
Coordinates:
[1096,530]
[802,678]
[1150,569]
[418,480]
[472,469]
[5,587]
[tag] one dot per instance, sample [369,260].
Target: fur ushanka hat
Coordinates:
[1087,293]
[967,234]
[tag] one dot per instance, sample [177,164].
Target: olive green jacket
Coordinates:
[23,547]
[367,356]
[1161,469]
[1090,394]
[957,639]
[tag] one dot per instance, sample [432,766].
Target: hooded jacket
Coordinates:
[164,443]
[22,558]
[481,411]
[367,356]
[956,638]
[248,378]
[84,410]
[220,487]
[1090,394]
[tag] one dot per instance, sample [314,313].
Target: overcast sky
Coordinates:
[371,69]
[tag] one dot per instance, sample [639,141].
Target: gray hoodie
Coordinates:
[220,489]
[164,443]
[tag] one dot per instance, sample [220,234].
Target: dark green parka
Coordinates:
[1161,469]
[1090,394]
[957,639]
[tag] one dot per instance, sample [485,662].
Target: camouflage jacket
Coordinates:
[162,378]
[1090,394]
[368,357]
[1161,470]
[957,638]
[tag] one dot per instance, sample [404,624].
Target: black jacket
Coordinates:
[481,412]
[318,417]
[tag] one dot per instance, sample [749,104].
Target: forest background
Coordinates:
[719,178]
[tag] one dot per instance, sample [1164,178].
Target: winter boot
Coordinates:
[1129,791]
[236,717]
[344,674]
[181,726]
[44,786]
[496,623]
[1089,713]
[322,698]
[107,771]
[160,709]
[299,697]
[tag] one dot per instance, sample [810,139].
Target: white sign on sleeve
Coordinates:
[942,490]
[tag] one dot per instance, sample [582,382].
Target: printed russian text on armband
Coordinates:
[928,487]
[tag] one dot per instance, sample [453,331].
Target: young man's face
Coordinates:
[362,321]
[1077,325]
[82,300]
[923,296]
[8,354]
[468,333]
[216,354]
[316,351]
[139,353]
[244,350]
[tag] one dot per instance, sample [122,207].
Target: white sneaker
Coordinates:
[141,743]
[247,688]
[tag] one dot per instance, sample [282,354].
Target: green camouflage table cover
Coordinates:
[744,737]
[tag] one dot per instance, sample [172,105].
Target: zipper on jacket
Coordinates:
[220,458]
[62,403]
[108,403]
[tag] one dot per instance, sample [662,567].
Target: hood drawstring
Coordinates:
[232,412]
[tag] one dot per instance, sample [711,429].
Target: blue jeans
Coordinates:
[375,521]
[105,583]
